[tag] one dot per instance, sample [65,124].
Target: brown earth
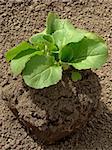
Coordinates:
[18,21]
[52,113]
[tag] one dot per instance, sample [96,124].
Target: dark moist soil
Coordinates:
[53,113]
[18,21]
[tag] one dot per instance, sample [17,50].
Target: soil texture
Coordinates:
[53,113]
[18,21]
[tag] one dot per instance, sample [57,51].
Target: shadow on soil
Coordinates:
[99,124]
[97,129]
[96,126]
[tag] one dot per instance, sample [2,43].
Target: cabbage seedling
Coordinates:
[42,59]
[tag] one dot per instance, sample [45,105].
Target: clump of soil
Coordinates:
[54,112]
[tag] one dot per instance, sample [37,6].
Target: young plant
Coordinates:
[42,59]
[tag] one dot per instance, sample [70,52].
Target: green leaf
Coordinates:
[65,66]
[19,62]
[60,24]
[38,41]
[10,54]
[50,22]
[91,35]
[76,76]
[64,32]
[42,40]
[86,54]
[67,34]
[41,72]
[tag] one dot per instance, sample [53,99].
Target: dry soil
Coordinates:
[18,21]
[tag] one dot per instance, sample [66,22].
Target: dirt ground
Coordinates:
[18,21]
